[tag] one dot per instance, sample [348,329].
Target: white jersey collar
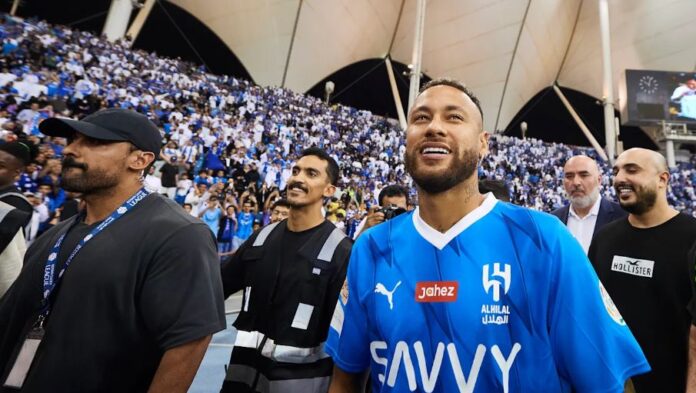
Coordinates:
[439,239]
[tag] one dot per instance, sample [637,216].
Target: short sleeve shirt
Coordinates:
[245,223]
[648,273]
[504,301]
[149,282]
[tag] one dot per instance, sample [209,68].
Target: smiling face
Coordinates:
[640,178]
[309,183]
[444,139]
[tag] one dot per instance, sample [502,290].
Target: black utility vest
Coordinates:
[327,251]
[279,345]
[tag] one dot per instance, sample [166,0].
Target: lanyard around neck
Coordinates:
[51,280]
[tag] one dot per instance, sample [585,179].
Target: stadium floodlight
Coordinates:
[523,128]
[328,90]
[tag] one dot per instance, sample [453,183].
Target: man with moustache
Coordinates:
[643,261]
[291,272]
[587,211]
[471,295]
[124,296]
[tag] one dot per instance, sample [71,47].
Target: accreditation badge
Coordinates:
[22,364]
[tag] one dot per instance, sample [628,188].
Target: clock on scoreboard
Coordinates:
[654,96]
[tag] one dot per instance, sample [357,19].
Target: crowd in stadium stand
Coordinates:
[231,141]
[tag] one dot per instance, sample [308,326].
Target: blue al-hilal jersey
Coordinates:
[504,301]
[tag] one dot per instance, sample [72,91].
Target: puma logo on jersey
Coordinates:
[382,290]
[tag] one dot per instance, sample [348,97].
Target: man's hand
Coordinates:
[628,387]
[374,217]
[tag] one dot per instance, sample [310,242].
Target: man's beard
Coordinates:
[645,200]
[461,168]
[294,203]
[88,181]
[585,201]
[297,204]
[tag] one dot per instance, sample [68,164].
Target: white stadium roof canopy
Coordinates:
[504,50]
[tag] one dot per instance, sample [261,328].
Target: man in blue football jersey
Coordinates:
[245,223]
[468,294]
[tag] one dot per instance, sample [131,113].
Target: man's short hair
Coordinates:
[457,85]
[392,191]
[331,167]
[280,202]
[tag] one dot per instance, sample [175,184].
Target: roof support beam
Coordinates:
[580,123]
[512,61]
[417,54]
[292,42]
[395,93]
[139,21]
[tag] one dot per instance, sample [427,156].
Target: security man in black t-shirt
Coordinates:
[124,296]
[643,263]
[291,273]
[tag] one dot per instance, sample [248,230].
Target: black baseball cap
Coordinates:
[114,124]
[22,150]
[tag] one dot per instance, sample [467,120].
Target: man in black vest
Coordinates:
[291,273]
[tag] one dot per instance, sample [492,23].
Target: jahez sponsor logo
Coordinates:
[436,291]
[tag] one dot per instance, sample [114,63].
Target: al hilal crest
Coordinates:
[121,210]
